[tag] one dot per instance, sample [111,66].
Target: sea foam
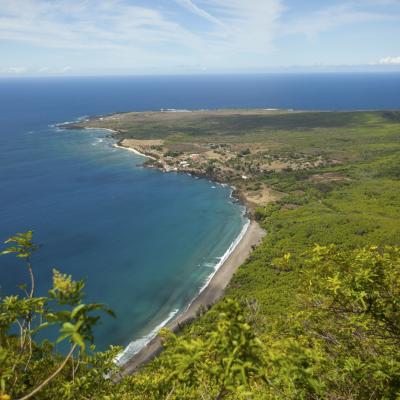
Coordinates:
[137,345]
[230,250]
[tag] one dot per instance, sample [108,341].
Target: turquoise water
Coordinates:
[146,241]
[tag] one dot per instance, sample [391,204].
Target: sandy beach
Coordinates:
[133,150]
[210,294]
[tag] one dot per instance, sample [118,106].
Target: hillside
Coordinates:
[314,313]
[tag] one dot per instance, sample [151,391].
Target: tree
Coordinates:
[22,371]
[223,361]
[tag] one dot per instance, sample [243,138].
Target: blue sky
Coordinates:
[96,37]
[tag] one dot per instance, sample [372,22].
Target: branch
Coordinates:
[222,393]
[54,374]
[32,279]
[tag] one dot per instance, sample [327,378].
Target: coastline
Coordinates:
[133,150]
[214,155]
[212,291]
[137,345]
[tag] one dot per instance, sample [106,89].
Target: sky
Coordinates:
[113,37]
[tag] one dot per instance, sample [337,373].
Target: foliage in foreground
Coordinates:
[341,342]
[304,322]
[30,369]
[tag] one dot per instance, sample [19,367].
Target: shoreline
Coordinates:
[212,291]
[236,195]
[220,162]
[133,150]
[137,345]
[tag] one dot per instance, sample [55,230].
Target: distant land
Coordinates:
[240,147]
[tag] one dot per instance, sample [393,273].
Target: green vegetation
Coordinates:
[338,339]
[314,313]
[248,147]
[30,369]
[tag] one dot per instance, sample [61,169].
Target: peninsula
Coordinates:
[237,147]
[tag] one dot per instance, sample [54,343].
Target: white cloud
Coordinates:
[65,69]
[325,19]
[389,61]
[191,6]
[120,34]
[143,35]
[249,23]
[13,70]
[35,71]
[90,24]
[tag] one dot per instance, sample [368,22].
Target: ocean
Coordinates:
[145,241]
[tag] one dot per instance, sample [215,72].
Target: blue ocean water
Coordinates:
[145,241]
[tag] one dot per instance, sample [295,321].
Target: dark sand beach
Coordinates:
[211,293]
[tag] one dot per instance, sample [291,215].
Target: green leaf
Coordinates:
[67,327]
[40,327]
[77,338]
[76,310]
[63,337]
